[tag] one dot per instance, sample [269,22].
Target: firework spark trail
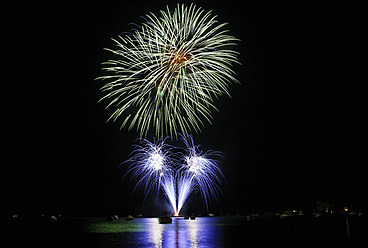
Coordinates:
[167,73]
[198,171]
[152,165]
[185,188]
[168,185]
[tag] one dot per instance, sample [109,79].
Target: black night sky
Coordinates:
[291,134]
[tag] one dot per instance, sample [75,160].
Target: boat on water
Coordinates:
[112,218]
[164,220]
[129,217]
[187,217]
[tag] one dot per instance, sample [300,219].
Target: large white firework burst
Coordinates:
[166,74]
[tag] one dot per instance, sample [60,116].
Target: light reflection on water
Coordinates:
[184,233]
[147,232]
[156,232]
[193,233]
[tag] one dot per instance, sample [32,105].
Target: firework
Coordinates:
[154,166]
[167,73]
[150,165]
[199,170]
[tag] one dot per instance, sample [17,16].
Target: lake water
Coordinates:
[272,231]
[147,232]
